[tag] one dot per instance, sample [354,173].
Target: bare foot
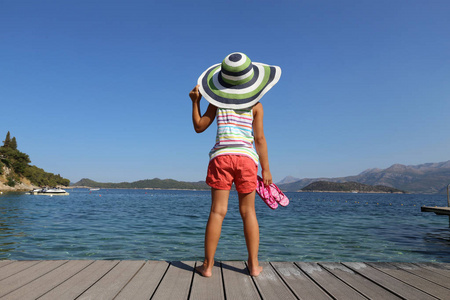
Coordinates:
[255,270]
[204,271]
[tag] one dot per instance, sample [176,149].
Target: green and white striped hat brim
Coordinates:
[237,82]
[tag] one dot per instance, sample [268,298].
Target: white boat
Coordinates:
[95,189]
[48,191]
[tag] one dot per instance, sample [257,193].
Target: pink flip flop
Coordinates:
[265,193]
[278,195]
[271,194]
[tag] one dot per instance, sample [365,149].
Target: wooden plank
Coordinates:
[425,273]
[77,284]
[114,281]
[413,280]
[437,268]
[48,281]
[18,280]
[358,282]
[279,280]
[301,285]
[5,262]
[270,284]
[16,267]
[144,283]
[335,287]
[237,281]
[437,210]
[394,285]
[208,288]
[176,282]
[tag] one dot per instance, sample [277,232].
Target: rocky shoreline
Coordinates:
[23,186]
[19,187]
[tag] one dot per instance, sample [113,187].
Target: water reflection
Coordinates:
[10,234]
[441,237]
[169,225]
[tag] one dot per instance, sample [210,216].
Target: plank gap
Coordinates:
[161,280]
[282,280]
[134,275]
[97,280]
[341,280]
[313,280]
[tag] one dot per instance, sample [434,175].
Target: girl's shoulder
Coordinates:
[257,108]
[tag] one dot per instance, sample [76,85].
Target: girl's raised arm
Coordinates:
[201,123]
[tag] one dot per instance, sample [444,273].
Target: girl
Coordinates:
[233,89]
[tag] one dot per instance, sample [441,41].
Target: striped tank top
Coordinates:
[234,133]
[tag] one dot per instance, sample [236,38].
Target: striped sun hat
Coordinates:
[237,82]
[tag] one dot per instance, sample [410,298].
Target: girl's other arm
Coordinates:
[201,123]
[261,143]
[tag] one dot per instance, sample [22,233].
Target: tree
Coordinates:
[13,144]
[11,182]
[7,140]
[18,163]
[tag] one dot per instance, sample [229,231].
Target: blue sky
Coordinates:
[99,89]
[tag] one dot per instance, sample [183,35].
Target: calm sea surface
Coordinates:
[169,225]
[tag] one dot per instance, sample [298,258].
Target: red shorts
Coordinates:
[226,169]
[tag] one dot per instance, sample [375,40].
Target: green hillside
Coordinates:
[15,167]
[155,183]
[327,186]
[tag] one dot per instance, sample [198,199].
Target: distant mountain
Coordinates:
[155,183]
[288,179]
[327,186]
[425,178]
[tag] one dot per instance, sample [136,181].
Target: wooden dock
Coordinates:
[437,210]
[112,279]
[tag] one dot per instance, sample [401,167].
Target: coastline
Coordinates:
[22,187]
[349,192]
[150,189]
[19,187]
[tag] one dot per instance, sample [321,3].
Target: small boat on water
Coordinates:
[95,189]
[48,191]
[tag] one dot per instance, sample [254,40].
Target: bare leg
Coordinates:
[251,231]
[218,211]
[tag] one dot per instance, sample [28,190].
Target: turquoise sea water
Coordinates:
[169,225]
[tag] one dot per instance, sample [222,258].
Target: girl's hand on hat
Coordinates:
[195,94]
